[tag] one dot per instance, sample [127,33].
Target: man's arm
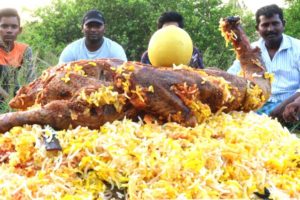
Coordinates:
[145,58]
[197,59]
[288,110]
[291,111]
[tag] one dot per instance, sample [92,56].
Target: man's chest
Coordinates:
[11,58]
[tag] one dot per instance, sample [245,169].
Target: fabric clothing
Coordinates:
[267,108]
[13,58]
[285,66]
[77,50]
[11,77]
[196,60]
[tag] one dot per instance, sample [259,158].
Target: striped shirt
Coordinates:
[285,66]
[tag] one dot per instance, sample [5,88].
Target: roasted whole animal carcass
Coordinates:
[90,93]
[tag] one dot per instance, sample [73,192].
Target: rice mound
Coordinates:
[229,156]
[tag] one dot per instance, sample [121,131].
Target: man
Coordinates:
[174,18]
[281,54]
[13,55]
[93,45]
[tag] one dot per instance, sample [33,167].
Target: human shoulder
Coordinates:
[113,49]
[21,47]
[145,58]
[196,51]
[21,44]
[75,44]
[257,43]
[292,45]
[295,43]
[71,51]
[110,43]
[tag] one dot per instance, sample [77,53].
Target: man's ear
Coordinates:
[256,27]
[283,22]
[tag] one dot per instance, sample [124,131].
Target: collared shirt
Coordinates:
[195,62]
[285,66]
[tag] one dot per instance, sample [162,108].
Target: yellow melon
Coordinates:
[170,45]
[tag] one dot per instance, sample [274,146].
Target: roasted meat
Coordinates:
[90,93]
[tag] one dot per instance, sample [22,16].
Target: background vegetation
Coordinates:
[131,23]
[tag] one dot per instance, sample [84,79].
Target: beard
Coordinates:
[273,40]
[94,37]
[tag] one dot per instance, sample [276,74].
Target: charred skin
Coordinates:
[180,95]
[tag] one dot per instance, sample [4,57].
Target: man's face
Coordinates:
[9,29]
[271,29]
[93,31]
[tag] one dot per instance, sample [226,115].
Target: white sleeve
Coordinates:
[120,53]
[66,55]
[235,68]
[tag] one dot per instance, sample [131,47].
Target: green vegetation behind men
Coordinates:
[131,24]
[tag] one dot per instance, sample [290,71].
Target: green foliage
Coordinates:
[292,18]
[131,23]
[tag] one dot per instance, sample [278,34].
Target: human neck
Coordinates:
[7,46]
[274,45]
[92,45]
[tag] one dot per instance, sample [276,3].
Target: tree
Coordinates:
[292,18]
[131,23]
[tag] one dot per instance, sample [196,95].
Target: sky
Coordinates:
[253,5]
[25,6]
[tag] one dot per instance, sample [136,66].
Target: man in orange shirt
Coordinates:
[13,55]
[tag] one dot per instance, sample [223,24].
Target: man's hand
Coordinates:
[291,112]
[280,109]
[277,112]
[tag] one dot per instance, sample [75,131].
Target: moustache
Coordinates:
[271,33]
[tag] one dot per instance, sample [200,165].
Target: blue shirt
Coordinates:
[77,51]
[285,66]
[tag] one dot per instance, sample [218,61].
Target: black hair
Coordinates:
[9,12]
[269,11]
[170,16]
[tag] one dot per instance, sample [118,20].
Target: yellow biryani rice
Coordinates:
[228,156]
